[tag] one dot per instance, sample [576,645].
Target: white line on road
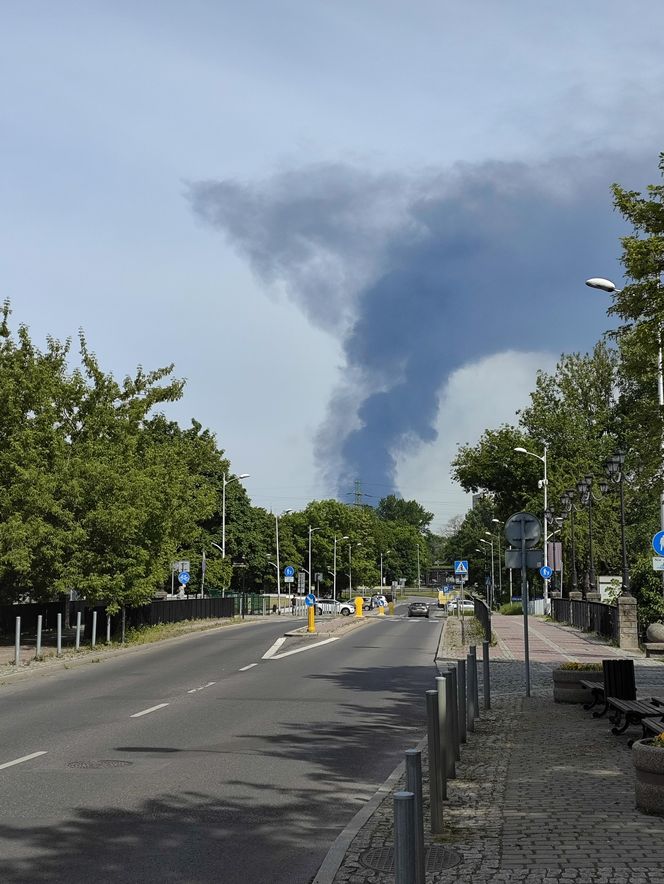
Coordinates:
[272,650]
[146,711]
[250,666]
[21,760]
[325,641]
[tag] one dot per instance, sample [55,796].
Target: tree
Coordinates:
[405,512]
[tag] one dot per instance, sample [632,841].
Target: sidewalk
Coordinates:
[543,792]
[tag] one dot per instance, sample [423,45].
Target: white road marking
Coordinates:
[325,641]
[146,711]
[202,687]
[250,666]
[272,650]
[21,760]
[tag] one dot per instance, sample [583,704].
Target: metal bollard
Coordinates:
[404,838]
[17,648]
[414,785]
[39,637]
[470,694]
[454,705]
[486,676]
[461,686]
[93,637]
[444,723]
[58,646]
[108,629]
[437,781]
[476,682]
[78,630]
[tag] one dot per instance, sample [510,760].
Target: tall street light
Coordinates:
[311,531]
[616,472]
[334,571]
[498,523]
[226,481]
[276,535]
[545,485]
[381,567]
[569,508]
[585,490]
[350,568]
[606,285]
[490,593]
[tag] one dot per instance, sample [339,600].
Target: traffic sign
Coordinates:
[289,579]
[658,543]
[289,571]
[184,577]
[461,567]
[546,572]
[658,563]
[309,599]
[532,530]
[183,565]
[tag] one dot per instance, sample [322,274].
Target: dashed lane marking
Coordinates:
[22,759]
[250,666]
[147,711]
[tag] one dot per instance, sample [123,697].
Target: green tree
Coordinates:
[405,512]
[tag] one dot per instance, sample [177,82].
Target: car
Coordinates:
[368,602]
[418,609]
[456,606]
[329,606]
[378,601]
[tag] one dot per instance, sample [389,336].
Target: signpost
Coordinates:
[184,577]
[546,572]
[523,531]
[461,573]
[300,582]
[658,543]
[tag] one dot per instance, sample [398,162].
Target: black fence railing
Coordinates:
[595,617]
[483,614]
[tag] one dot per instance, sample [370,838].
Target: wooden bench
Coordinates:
[596,689]
[619,683]
[652,726]
[632,711]
[654,649]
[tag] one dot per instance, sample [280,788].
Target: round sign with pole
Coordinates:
[526,522]
[546,572]
[184,577]
[310,600]
[289,571]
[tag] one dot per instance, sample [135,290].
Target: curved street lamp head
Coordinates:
[243,476]
[497,521]
[605,285]
[522,450]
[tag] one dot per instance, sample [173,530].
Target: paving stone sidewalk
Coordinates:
[543,792]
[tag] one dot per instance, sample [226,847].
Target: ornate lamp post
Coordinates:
[616,473]
[585,491]
[567,501]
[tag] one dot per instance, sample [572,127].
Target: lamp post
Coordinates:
[276,535]
[545,485]
[567,500]
[497,522]
[606,285]
[311,531]
[350,568]
[585,490]
[334,570]
[224,482]
[381,567]
[418,565]
[556,522]
[616,473]
[490,593]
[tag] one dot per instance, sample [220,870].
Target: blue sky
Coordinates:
[346,144]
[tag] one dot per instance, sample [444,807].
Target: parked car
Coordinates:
[368,602]
[418,609]
[456,606]
[329,606]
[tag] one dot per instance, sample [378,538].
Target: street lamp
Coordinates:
[497,522]
[224,482]
[585,491]
[615,469]
[568,506]
[545,485]
[381,567]
[350,568]
[556,521]
[276,535]
[606,285]
[489,593]
[334,572]
[311,531]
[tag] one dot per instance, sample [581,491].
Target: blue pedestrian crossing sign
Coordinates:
[309,599]
[461,567]
[546,572]
[184,577]
[658,543]
[289,571]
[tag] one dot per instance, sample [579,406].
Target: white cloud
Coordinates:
[478,396]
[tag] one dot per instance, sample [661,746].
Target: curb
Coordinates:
[301,631]
[337,852]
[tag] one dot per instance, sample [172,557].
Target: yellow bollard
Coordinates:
[381,610]
[311,619]
[390,606]
[359,602]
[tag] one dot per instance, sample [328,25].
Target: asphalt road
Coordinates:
[238,775]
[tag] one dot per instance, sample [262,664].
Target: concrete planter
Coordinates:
[649,776]
[567,688]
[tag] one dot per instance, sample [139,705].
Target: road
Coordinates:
[178,762]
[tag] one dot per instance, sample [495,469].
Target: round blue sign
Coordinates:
[546,572]
[184,577]
[289,571]
[658,543]
[310,599]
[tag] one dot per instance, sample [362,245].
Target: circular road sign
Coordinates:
[184,577]
[289,571]
[546,572]
[309,599]
[526,522]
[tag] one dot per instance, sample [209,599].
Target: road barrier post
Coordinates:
[437,784]
[414,785]
[404,838]
[39,637]
[486,675]
[17,648]
[454,705]
[78,630]
[311,619]
[108,629]
[93,637]
[470,694]
[58,646]
[444,722]
[461,685]
[476,683]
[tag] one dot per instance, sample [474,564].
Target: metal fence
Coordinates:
[595,617]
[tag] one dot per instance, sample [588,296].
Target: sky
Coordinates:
[358,228]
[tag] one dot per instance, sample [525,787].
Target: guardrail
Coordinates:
[596,617]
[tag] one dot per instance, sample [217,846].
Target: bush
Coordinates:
[586,667]
[658,741]
[511,608]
